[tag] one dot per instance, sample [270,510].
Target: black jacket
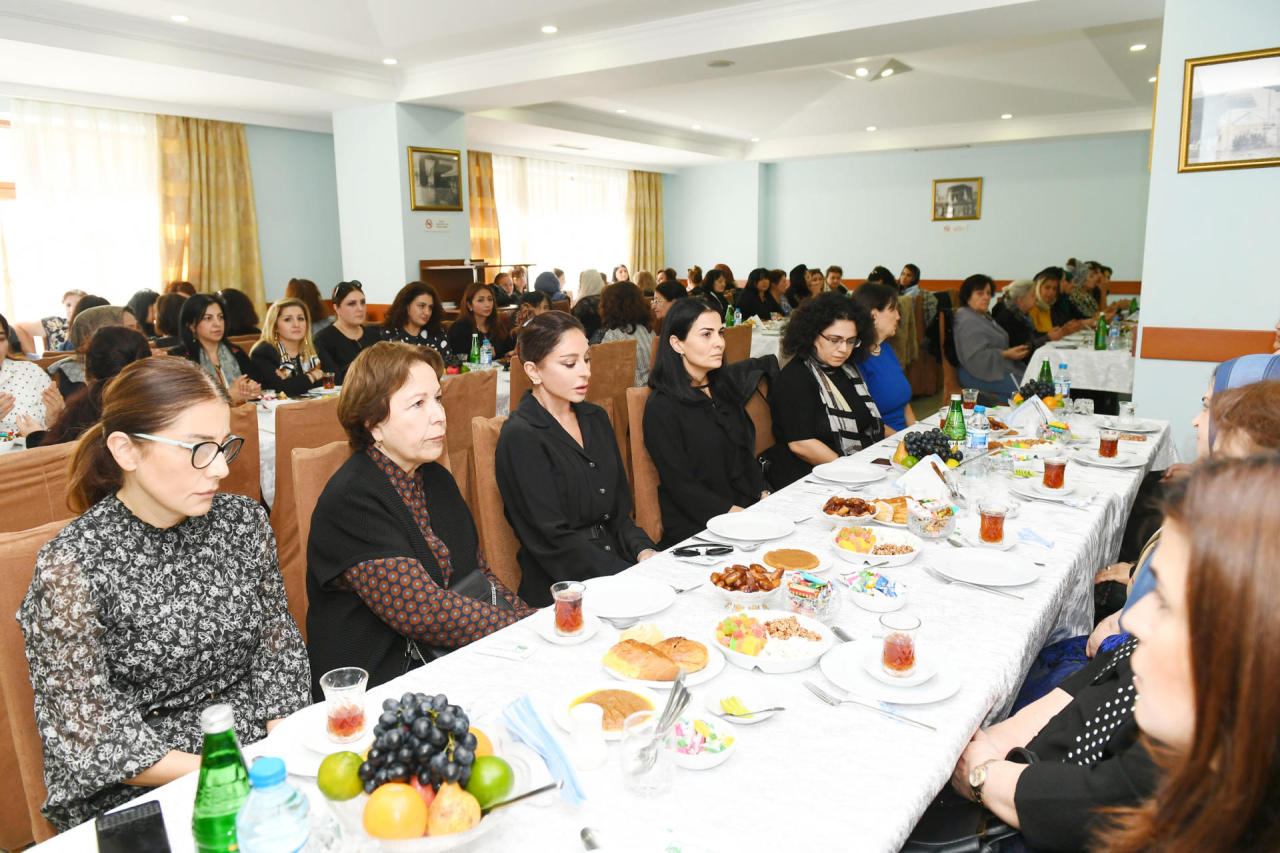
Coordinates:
[246,367]
[1020,327]
[337,351]
[570,506]
[752,304]
[265,360]
[460,339]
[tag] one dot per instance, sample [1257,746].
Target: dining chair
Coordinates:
[737,343]
[761,417]
[35,486]
[519,383]
[244,475]
[613,371]
[497,539]
[312,468]
[21,750]
[644,485]
[465,396]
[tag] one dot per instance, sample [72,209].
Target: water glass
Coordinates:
[1127,412]
[1084,406]
[647,766]
[344,702]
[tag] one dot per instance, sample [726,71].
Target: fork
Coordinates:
[941,578]
[620,621]
[833,700]
[682,589]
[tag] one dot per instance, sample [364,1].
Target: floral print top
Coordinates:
[131,631]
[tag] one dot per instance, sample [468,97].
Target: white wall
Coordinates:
[712,216]
[426,127]
[1211,236]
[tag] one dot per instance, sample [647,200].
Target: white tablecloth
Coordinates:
[1094,370]
[267,446]
[814,777]
[765,344]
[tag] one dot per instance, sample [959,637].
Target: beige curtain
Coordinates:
[486,240]
[208,223]
[647,249]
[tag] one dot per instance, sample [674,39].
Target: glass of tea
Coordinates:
[1108,443]
[568,603]
[899,655]
[968,398]
[1055,472]
[328,381]
[991,515]
[344,702]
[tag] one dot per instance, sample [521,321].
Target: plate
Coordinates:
[842,666]
[779,664]
[876,601]
[751,697]
[715,665]
[883,537]
[624,597]
[543,624]
[848,472]
[1035,489]
[1126,458]
[986,568]
[968,530]
[1138,426]
[560,704]
[703,760]
[871,656]
[310,730]
[324,392]
[750,526]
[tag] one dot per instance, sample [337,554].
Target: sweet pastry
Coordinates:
[617,704]
[689,655]
[891,510]
[634,659]
[791,559]
[645,632]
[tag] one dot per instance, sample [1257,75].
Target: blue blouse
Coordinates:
[888,385]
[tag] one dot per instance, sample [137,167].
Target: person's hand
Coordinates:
[53,402]
[1108,627]
[243,388]
[6,403]
[1073,326]
[1118,572]
[1176,471]
[1056,333]
[1017,353]
[981,748]
[646,554]
[735,508]
[28,424]
[282,373]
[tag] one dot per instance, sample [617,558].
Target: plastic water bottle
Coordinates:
[1113,337]
[1062,381]
[979,430]
[223,783]
[737,316]
[275,818]
[486,355]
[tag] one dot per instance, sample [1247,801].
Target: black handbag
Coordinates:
[953,824]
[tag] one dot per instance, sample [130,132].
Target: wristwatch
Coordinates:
[978,778]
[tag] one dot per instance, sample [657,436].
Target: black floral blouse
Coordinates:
[131,631]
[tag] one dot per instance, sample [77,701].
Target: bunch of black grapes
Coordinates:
[1037,388]
[423,736]
[921,444]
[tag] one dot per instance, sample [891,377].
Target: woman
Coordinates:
[479,316]
[587,306]
[414,318]
[549,283]
[204,341]
[1087,295]
[306,290]
[1047,284]
[646,282]
[25,389]
[559,470]
[339,344]
[160,599]
[798,287]
[757,298]
[879,364]
[186,288]
[822,409]
[533,303]
[284,359]
[625,315]
[69,372]
[168,320]
[778,284]
[142,305]
[714,291]
[621,273]
[987,361]
[664,296]
[909,279]
[395,575]
[1013,314]
[242,317]
[694,274]
[699,435]
[54,330]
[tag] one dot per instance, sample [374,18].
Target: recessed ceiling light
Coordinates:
[550,29]
[888,72]
[619,110]
[755,139]
[871,128]
[697,127]
[1006,115]
[389,60]
[179,19]
[1137,47]
[861,72]
[1151,79]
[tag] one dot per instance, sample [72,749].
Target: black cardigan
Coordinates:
[265,360]
[246,367]
[705,455]
[460,338]
[337,351]
[1020,327]
[570,506]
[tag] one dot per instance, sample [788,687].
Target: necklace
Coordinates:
[875,350]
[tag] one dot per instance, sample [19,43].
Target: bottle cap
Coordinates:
[1063,365]
[266,771]
[217,718]
[955,396]
[979,408]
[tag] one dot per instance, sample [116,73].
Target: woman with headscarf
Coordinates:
[547,282]
[587,308]
[69,372]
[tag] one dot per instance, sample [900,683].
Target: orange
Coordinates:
[484,746]
[395,810]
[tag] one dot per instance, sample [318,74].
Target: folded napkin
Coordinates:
[523,721]
[922,482]
[1029,417]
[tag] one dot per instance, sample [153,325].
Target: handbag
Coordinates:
[953,824]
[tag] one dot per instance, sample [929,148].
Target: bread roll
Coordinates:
[690,655]
[634,659]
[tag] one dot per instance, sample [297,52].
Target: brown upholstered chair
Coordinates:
[737,343]
[644,485]
[312,468]
[924,373]
[35,487]
[950,375]
[245,342]
[313,423]
[245,477]
[519,384]
[497,539]
[762,417]
[21,752]
[466,396]
[49,359]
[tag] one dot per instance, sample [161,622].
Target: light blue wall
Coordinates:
[426,127]
[296,196]
[712,215]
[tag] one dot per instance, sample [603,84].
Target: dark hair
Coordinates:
[874,296]
[753,277]
[306,290]
[623,306]
[671,274]
[398,314]
[621,267]
[798,290]
[168,310]
[535,298]
[85,303]
[671,290]
[915,272]
[807,322]
[668,374]
[192,311]
[729,281]
[709,281]
[500,275]
[775,276]
[543,333]
[974,283]
[146,396]
[882,275]
[523,273]
[695,276]
[342,290]
[838,270]
[15,344]
[111,349]
[376,374]
[498,330]
[1050,274]
[183,287]
[139,306]
[242,317]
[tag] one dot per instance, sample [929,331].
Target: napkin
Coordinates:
[1029,417]
[523,721]
[922,482]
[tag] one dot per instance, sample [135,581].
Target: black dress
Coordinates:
[337,351]
[1020,327]
[570,505]
[266,359]
[460,339]
[424,338]
[704,451]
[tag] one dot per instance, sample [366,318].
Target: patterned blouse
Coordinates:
[424,338]
[26,382]
[131,631]
[1084,302]
[402,594]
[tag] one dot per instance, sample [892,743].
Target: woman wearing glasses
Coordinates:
[339,344]
[822,409]
[162,598]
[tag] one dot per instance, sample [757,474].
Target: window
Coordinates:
[7,195]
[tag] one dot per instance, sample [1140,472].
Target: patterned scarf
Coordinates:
[839,412]
[227,368]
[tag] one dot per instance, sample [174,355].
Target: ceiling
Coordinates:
[621,80]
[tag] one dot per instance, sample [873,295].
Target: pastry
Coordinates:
[689,655]
[634,659]
[645,632]
[792,559]
[891,510]
[617,704]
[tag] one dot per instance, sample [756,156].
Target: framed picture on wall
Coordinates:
[957,198]
[435,179]
[1231,111]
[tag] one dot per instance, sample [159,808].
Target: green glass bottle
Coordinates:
[728,316]
[1100,334]
[223,784]
[474,357]
[1046,373]
[954,428]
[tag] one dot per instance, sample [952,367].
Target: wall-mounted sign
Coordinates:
[432,224]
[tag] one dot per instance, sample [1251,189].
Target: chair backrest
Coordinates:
[245,477]
[313,423]
[35,486]
[737,343]
[245,342]
[312,468]
[466,396]
[48,359]
[762,417]
[17,564]
[613,371]
[950,375]
[497,539]
[644,485]
[519,383]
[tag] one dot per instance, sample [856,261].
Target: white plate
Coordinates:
[750,526]
[986,568]
[871,665]
[751,697]
[883,537]
[311,732]
[848,472]
[968,531]
[1124,459]
[543,624]
[324,392]
[627,597]
[877,602]
[560,704]
[843,667]
[1138,426]
[1035,490]
[704,760]
[778,665]
[715,664]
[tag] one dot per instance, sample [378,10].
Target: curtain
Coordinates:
[86,208]
[207,212]
[561,215]
[486,240]
[644,221]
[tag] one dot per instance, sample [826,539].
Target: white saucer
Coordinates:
[843,667]
[968,533]
[750,526]
[543,624]
[871,665]
[312,733]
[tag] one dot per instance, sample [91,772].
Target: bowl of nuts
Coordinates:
[751,587]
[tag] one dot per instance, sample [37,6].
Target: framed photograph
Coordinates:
[957,198]
[435,179]
[1231,111]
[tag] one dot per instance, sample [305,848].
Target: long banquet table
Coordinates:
[1092,370]
[814,776]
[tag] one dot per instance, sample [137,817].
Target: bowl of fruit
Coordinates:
[1037,388]
[916,445]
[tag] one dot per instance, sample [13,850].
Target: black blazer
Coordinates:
[1020,328]
[752,304]
[460,339]
[570,506]
[246,367]
[265,361]
[705,455]
[337,351]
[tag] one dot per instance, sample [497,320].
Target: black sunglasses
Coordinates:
[710,549]
[350,285]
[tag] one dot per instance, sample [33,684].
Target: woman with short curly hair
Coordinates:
[626,315]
